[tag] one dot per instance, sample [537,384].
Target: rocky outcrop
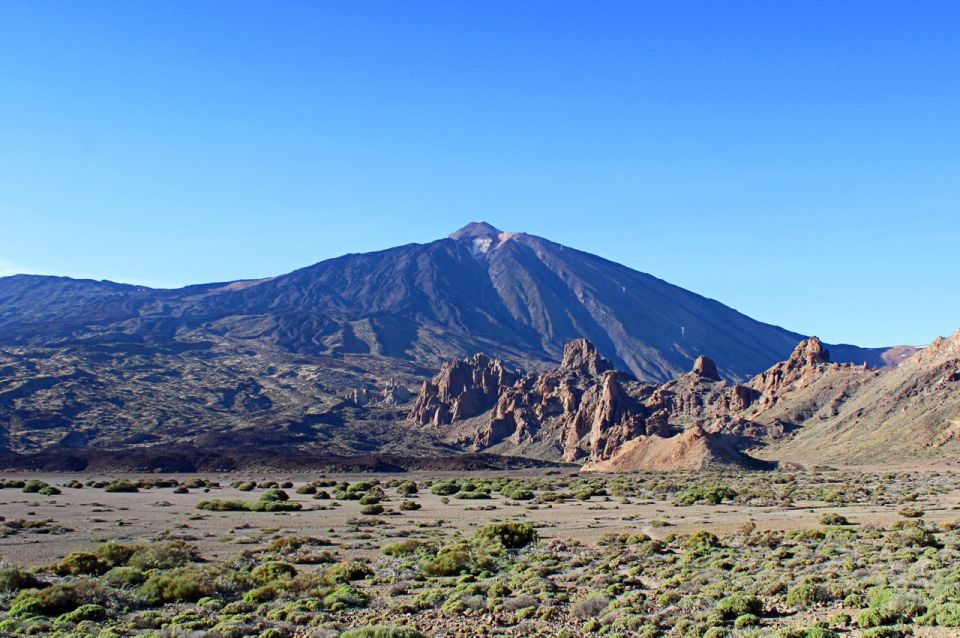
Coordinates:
[706,368]
[391,394]
[462,389]
[582,410]
[804,409]
[581,357]
[809,362]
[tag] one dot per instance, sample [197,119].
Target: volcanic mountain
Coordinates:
[326,353]
[510,295]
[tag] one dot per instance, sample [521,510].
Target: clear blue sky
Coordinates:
[799,161]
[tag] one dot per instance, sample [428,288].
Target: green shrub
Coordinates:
[382,631]
[33,486]
[444,488]
[873,617]
[56,599]
[738,605]
[511,534]
[832,518]
[807,594]
[372,510]
[407,488]
[220,505]
[409,506]
[83,612]
[711,494]
[124,576]
[448,563]
[746,620]
[121,485]
[948,615]
[81,564]
[344,597]
[348,571]
[183,584]
[404,548]
[275,495]
[13,579]
[273,570]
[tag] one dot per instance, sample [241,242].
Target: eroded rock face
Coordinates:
[706,367]
[810,361]
[586,410]
[462,389]
[581,356]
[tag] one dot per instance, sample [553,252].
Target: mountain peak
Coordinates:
[476,230]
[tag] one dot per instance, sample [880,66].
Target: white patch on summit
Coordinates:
[481,245]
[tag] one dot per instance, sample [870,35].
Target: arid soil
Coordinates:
[810,554]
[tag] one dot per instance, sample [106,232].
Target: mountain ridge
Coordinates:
[520,298]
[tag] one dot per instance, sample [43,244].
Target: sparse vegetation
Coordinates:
[505,570]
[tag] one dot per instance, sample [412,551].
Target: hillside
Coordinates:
[324,355]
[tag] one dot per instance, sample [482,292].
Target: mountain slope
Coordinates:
[511,295]
[878,416]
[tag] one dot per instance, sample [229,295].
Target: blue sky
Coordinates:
[797,161]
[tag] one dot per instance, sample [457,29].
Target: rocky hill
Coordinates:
[806,409]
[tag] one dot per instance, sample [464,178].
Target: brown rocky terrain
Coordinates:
[806,408]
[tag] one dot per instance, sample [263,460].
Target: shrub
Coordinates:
[738,605]
[121,485]
[83,612]
[409,506]
[348,571]
[407,488]
[269,505]
[14,579]
[344,597]
[183,584]
[806,594]
[746,620]
[56,599]
[591,606]
[382,631]
[873,617]
[444,488]
[832,518]
[158,556]
[712,494]
[510,534]
[404,548]
[448,563]
[124,576]
[273,570]
[372,510]
[81,564]
[948,615]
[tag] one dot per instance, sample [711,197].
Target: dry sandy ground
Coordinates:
[93,516]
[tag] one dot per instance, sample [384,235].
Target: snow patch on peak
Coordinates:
[481,245]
